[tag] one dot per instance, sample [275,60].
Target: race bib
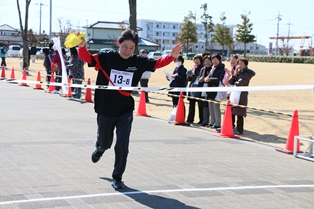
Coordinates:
[121,78]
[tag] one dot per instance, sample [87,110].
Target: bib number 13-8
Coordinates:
[121,78]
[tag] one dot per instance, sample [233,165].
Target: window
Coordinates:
[174,27]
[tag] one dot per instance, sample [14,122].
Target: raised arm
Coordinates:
[164,61]
[83,53]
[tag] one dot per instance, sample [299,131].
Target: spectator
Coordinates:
[33,53]
[215,76]
[233,64]
[3,52]
[51,50]
[76,72]
[193,76]
[204,73]
[229,73]
[179,78]
[47,63]
[57,60]
[114,108]
[145,77]
[241,77]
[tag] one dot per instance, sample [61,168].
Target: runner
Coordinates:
[115,108]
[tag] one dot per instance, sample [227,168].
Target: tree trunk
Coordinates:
[24,34]
[244,50]
[132,18]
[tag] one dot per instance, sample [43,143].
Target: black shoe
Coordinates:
[117,184]
[96,155]
[189,122]
[204,124]
[201,122]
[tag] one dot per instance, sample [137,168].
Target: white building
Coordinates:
[165,33]
[10,35]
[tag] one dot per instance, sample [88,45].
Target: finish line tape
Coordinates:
[179,89]
[169,90]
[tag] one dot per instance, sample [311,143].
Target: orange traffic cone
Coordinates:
[38,85]
[180,114]
[69,88]
[51,87]
[142,105]
[24,78]
[227,127]
[294,131]
[12,77]
[2,73]
[88,93]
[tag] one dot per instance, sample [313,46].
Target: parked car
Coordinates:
[188,56]
[39,51]
[13,51]
[165,53]
[154,55]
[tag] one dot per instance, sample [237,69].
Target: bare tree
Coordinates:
[64,29]
[24,31]
[31,37]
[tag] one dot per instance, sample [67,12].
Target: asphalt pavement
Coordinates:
[46,143]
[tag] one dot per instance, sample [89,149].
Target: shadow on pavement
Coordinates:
[149,200]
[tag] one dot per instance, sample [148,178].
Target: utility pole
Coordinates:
[40,5]
[278,18]
[78,26]
[256,44]
[50,22]
[288,33]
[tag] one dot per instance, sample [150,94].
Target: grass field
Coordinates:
[260,126]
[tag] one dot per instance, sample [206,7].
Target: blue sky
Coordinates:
[263,14]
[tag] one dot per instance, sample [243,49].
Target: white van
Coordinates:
[13,51]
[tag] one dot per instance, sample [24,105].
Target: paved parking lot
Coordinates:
[45,147]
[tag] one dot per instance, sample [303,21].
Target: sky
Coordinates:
[296,16]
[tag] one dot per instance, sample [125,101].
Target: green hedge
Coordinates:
[280,59]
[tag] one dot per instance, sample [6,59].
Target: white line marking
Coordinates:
[156,191]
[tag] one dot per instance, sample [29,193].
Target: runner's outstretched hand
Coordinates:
[176,50]
[83,43]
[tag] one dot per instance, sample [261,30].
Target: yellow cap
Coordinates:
[73,39]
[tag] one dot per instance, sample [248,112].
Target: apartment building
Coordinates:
[166,34]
